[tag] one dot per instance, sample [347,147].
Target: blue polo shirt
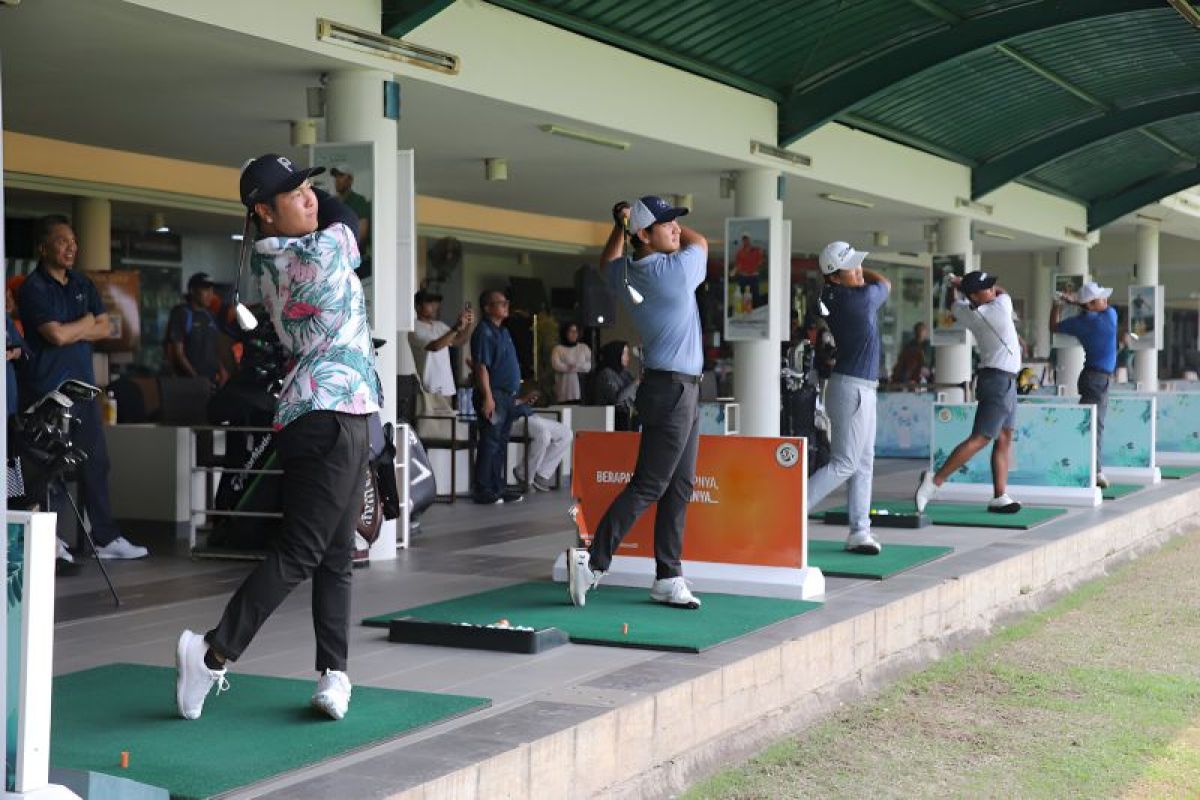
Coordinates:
[854,321]
[492,347]
[1097,332]
[43,299]
[12,339]
[668,320]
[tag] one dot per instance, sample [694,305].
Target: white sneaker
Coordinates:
[925,490]
[333,694]
[63,553]
[193,678]
[1101,481]
[121,547]
[674,592]
[581,578]
[863,542]
[1003,505]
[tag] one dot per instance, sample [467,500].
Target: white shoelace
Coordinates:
[222,681]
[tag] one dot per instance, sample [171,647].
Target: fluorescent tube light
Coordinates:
[847,201]
[585,136]
[996,234]
[771,151]
[378,45]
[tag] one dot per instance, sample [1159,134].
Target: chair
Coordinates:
[440,428]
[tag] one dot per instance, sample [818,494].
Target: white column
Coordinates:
[756,364]
[952,362]
[1043,290]
[1145,362]
[91,217]
[1072,260]
[354,113]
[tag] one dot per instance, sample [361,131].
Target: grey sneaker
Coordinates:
[541,484]
[581,578]
[121,547]
[333,694]
[863,542]
[193,678]
[674,592]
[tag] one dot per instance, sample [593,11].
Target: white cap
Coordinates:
[342,169]
[840,255]
[1092,291]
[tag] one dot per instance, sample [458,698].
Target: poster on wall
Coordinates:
[747,278]
[1146,317]
[942,327]
[350,174]
[119,292]
[1068,285]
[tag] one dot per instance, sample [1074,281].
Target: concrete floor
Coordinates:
[462,549]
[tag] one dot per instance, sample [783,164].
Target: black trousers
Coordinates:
[324,454]
[1093,390]
[492,450]
[665,473]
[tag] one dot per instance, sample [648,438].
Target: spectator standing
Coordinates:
[916,359]
[192,334]
[569,358]
[343,183]
[497,380]
[431,340]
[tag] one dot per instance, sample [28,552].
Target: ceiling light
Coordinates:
[378,45]
[771,151]
[683,201]
[314,101]
[881,239]
[495,169]
[304,132]
[158,222]
[237,237]
[974,205]
[847,201]
[585,136]
[996,234]
[728,185]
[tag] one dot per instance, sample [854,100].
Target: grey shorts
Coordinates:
[996,393]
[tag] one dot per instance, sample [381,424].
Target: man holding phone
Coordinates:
[497,379]
[431,340]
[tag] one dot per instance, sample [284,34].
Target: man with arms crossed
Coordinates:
[988,314]
[669,262]
[1096,330]
[853,297]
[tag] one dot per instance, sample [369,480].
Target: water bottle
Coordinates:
[109,408]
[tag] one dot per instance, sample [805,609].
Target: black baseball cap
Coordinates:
[426,296]
[269,175]
[651,210]
[977,281]
[200,280]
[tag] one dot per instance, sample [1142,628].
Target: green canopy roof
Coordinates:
[1095,100]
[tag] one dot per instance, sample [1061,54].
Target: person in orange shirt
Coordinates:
[747,262]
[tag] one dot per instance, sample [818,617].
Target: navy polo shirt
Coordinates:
[854,321]
[42,299]
[492,346]
[12,338]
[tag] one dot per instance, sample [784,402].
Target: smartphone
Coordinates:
[467,307]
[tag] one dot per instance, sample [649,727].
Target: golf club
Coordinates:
[634,295]
[245,317]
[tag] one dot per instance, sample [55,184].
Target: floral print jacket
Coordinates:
[317,306]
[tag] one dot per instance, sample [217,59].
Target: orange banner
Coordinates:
[747,503]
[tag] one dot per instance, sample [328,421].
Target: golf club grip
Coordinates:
[243,257]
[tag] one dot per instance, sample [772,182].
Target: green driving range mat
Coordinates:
[1178,472]
[1115,491]
[259,728]
[968,516]
[832,558]
[652,625]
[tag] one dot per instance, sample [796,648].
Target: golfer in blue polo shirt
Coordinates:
[63,315]
[659,286]
[1096,330]
[853,297]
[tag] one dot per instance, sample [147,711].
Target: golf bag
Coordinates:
[801,413]
[421,489]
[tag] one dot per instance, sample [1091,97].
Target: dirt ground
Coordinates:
[1098,696]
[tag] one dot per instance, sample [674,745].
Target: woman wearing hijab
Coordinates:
[569,358]
[615,384]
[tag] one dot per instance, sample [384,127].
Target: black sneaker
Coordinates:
[512,496]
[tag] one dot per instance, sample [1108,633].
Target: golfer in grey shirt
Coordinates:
[658,285]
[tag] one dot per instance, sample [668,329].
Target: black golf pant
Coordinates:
[324,454]
[668,406]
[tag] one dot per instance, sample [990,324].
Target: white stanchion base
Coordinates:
[51,791]
[1175,459]
[1040,495]
[1147,475]
[806,583]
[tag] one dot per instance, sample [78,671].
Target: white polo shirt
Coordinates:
[433,368]
[994,331]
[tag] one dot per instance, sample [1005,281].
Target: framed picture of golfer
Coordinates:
[747,278]
[942,328]
[1145,317]
[1068,285]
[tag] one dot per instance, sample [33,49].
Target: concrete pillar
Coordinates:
[354,113]
[1043,290]
[1072,260]
[91,217]
[952,362]
[1145,362]
[756,364]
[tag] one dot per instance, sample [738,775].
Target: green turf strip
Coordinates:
[832,558]
[1115,491]
[652,625]
[964,516]
[260,728]
[1178,472]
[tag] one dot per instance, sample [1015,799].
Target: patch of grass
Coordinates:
[1084,699]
